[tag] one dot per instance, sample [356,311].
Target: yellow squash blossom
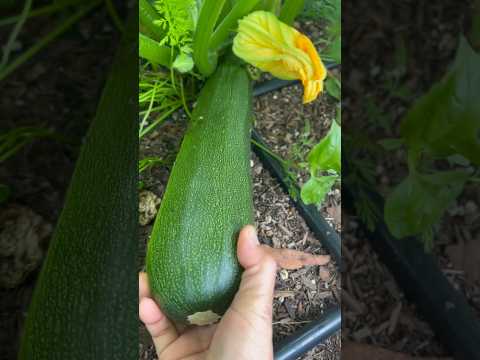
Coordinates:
[270,45]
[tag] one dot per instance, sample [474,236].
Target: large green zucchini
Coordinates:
[191,259]
[85,301]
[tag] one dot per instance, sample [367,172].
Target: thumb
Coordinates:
[250,313]
[253,300]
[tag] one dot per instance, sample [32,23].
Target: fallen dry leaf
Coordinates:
[293,259]
[357,351]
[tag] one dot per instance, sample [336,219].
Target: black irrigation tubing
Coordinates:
[330,322]
[424,283]
[309,336]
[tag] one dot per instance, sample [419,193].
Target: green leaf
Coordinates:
[333,87]
[183,63]
[444,121]
[422,126]
[326,155]
[467,72]
[147,16]
[316,188]
[290,10]
[152,51]
[334,51]
[419,201]
[178,18]
[338,115]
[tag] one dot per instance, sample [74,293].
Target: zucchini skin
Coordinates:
[191,258]
[85,299]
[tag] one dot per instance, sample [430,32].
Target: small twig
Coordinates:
[182,94]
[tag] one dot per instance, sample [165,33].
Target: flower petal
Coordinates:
[270,45]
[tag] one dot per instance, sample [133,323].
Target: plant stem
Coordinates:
[205,60]
[290,10]
[64,26]
[152,51]
[15,139]
[240,9]
[14,34]
[271,5]
[184,101]
[148,162]
[147,113]
[158,121]
[148,15]
[44,10]
[284,163]
[114,15]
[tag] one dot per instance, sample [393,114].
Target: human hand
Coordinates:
[244,332]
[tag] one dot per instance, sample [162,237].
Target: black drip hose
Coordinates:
[318,330]
[309,336]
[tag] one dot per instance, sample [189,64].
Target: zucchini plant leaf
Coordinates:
[152,51]
[444,121]
[316,188]
[333,87]
[334,51]
[419,201]
[425,123]
[326,155]
[147,17]
[467,70]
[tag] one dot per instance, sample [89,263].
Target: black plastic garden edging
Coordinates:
[318,330]
[418,274]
